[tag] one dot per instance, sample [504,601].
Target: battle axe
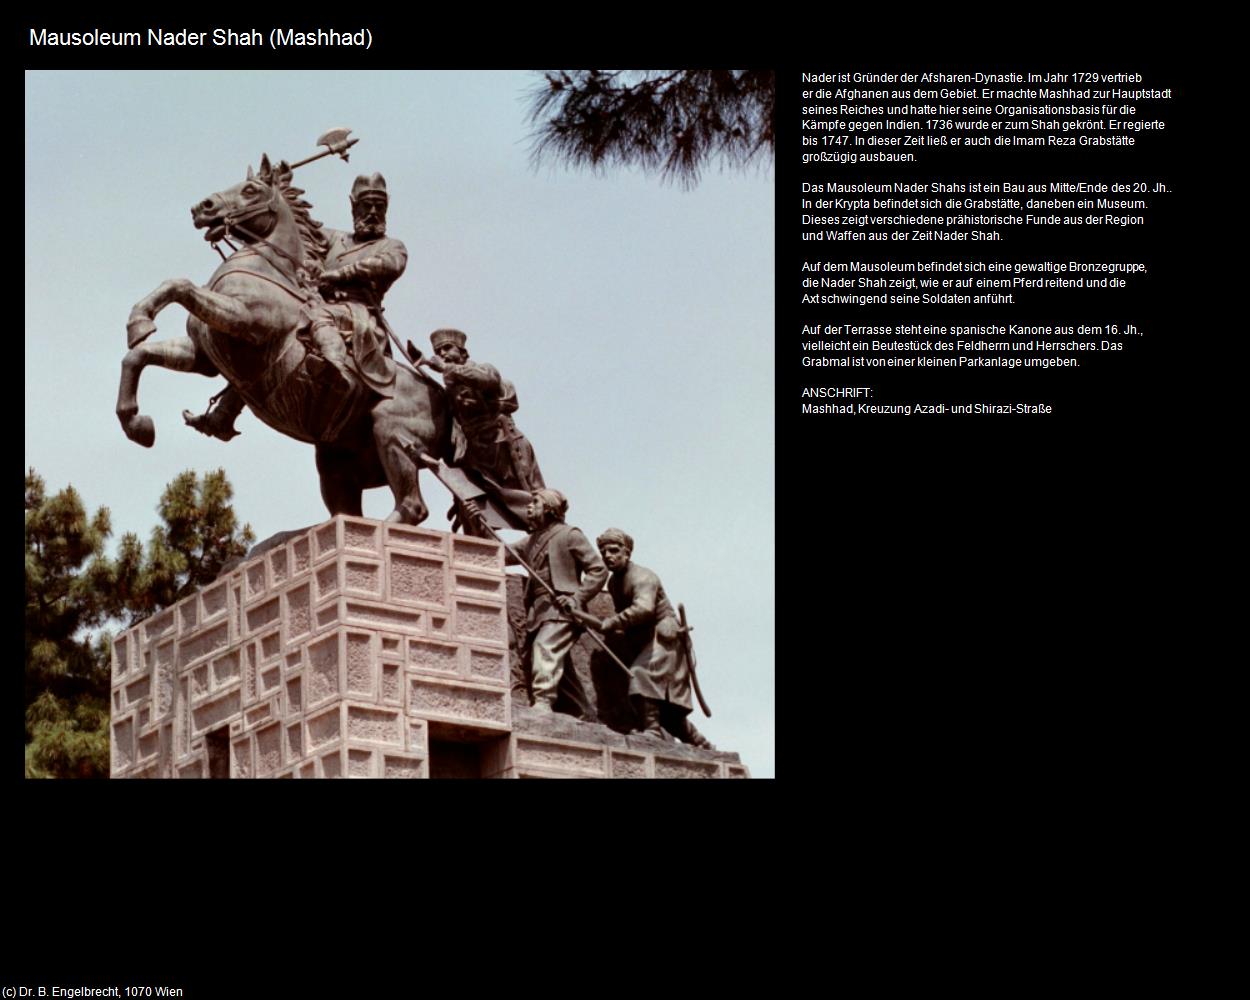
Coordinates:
[336,142]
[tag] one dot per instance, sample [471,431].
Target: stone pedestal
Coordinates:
[355,649]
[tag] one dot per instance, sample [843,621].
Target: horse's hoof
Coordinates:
[408,514]
[141,430]
[139,329]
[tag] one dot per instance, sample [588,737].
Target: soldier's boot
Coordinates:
[475,527]
[218,420]
[692,736]
[330,360]
[649,716]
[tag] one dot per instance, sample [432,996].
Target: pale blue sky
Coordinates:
[635,319]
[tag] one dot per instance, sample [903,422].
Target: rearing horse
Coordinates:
[243,325]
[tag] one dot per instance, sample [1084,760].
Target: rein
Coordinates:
[259,241]
[295,291]
[233,222]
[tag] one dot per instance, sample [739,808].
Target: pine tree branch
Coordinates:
[672,123]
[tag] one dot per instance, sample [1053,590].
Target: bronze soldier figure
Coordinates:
[564,558]
[360,268]
[485,439]
[651,641]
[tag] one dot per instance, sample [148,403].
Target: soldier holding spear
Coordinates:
[565,572]
[656,638]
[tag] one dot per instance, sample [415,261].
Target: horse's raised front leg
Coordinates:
[179,354]
[233,316]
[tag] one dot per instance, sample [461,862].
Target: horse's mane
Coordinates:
[315,242]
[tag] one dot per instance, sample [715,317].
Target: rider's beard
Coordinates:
[370,229]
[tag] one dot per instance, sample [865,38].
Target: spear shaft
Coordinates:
[340,147]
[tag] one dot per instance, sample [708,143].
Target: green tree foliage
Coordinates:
[67,583]
[198,535]
[73,590]
[67,586]
[671,121]
[67,738]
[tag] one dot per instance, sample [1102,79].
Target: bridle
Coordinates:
[233,222]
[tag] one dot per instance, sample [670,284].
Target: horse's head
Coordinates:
[250,210]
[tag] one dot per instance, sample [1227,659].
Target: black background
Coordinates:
[997,588]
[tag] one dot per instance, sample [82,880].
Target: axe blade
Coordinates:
[334,137]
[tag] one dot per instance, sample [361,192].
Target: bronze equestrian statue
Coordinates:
[259,322]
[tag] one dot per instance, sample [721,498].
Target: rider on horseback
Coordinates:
[359,269]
